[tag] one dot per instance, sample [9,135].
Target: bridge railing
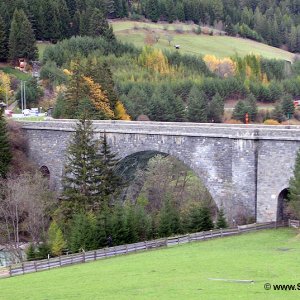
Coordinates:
[76,258]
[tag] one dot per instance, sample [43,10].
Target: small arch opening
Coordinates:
[45,171]
[282,207]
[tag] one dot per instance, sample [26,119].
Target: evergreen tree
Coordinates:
[22,43]
[197,108]
[119,226]
[111,182]
[132,225]
[99,26]
[103,227]
[169,220]
[30,252]
[294,188]
[251,107]
[216,109]
[287,105]
[83,170]
[277,113]
[239,111]
[81,236]
[221,221]
[152,10]
[3,41]
[5,150]
[200,219]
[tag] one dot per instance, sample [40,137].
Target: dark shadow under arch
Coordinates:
[282,213]
[45,171]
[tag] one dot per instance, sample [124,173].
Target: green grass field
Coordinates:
[190,43]
[18,74]
[181,272]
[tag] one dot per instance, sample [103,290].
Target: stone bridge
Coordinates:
[246,168]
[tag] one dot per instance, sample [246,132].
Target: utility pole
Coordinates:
[22,107]
[24,86]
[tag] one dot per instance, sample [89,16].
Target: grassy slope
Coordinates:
[12,71]
[191,43]
[180,272]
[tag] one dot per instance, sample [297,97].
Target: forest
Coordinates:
[273,22]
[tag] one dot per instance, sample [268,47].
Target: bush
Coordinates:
[271,122]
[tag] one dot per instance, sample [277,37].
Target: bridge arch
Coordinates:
[282,203]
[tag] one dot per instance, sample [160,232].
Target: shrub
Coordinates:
[271,122]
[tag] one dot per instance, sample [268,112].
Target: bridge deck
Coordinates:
[233,131]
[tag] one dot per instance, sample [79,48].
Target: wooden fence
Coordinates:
[294,223]
[65,260]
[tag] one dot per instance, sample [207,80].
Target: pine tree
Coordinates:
[22,43]
[221,221]
[132,225]
[197,108]
[277,113]
[3,41]
[82,181]
[5,150]
[294,188]
[103,227]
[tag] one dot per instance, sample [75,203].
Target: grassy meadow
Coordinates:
[180,272]
[190,43]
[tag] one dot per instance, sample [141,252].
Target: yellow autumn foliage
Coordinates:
[223,67]
[120,112]
[4,85]
[155,60]
[98,97]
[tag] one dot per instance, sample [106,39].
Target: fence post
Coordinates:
[23,268]
[289,222]
[95,254]
[146,245]
[59,261]
[35,266]
[126,248]
[83,256]
[221,232]
[211,233]
[189,238]
[10,272]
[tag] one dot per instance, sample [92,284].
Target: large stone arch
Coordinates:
[212,159]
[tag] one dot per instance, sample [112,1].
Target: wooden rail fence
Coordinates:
[65,260]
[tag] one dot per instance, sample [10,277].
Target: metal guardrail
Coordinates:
[65,260]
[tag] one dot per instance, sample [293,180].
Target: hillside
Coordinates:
[181,272]
[191,43]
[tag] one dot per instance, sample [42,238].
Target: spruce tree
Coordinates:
[111,182]
[287,105]
[197,108]
[3,41]
[119,226]
[83,170]
[216,109]
[30,252]
[251,107]
[221,221]
[200,219]
[294,188]
[5,149]
[22,43]
[103,227]
[82,233]
[239,111]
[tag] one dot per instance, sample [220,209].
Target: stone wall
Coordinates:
[243,167]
